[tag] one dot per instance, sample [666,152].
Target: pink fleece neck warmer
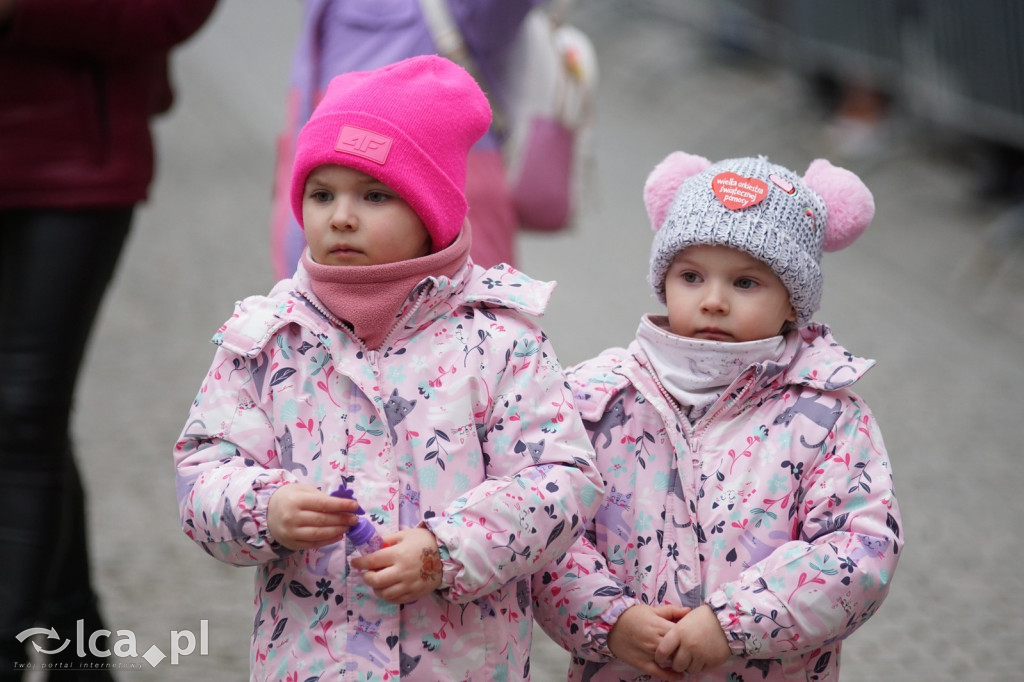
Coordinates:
[370,297]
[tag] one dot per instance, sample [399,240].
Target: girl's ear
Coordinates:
[664,180]
[850,204]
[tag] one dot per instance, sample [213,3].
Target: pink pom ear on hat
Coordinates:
[850,204]
[664,180]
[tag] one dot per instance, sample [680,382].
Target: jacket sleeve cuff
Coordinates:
[729,618]
[263,491]
[597,646]
[449,569]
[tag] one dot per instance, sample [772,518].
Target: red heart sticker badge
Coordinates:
[737,192]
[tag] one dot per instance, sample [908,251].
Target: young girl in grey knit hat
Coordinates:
[750,523]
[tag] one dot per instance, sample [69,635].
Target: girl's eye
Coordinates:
[691,277]
[321,195]
[745,283]
[376,196]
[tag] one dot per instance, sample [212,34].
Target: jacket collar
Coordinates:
[292,301]
[813,358]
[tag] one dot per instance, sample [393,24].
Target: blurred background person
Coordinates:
[338,36]
[80,82]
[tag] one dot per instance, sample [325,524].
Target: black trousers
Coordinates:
[55,267]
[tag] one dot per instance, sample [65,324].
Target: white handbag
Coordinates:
[547,125]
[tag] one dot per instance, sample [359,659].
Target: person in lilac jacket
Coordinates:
[338,36]
[392,366]
[750,522]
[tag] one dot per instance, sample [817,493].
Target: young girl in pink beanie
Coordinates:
[750,523]
[413,385]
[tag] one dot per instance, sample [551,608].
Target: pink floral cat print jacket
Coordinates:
[776,508]
[463,420]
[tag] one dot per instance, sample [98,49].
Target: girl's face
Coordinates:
[718,293]
[351,218]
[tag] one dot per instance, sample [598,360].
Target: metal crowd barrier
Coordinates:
[964,66]
[956,63]
[853,41]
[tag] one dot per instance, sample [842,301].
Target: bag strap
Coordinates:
[451,44]
[317,12]
[446,34]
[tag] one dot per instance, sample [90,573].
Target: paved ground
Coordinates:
[948,389]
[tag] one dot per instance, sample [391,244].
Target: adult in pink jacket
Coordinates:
[750,523]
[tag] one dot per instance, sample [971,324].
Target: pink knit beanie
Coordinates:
[410,125]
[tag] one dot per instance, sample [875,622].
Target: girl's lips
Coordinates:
[345,253]
[713,335]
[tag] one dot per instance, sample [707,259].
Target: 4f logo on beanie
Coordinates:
[364,143]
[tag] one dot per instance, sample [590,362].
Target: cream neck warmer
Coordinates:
[696,372]
[370,297]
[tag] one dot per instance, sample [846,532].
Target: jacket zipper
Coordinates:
[373,356]
[704,423]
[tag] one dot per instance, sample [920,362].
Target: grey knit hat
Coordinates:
[758,207]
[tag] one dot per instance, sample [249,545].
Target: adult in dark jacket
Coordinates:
[80,83]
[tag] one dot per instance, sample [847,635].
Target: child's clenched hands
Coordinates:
[695,644]
[301,516]
[636,634]
[408,568]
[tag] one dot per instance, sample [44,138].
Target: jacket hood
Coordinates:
[292,301]
[809,348]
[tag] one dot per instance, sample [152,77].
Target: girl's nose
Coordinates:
[344,216]
[714,301]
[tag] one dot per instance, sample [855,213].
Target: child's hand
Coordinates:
[636,634]
[408,568]
[300,516]
[695,644]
